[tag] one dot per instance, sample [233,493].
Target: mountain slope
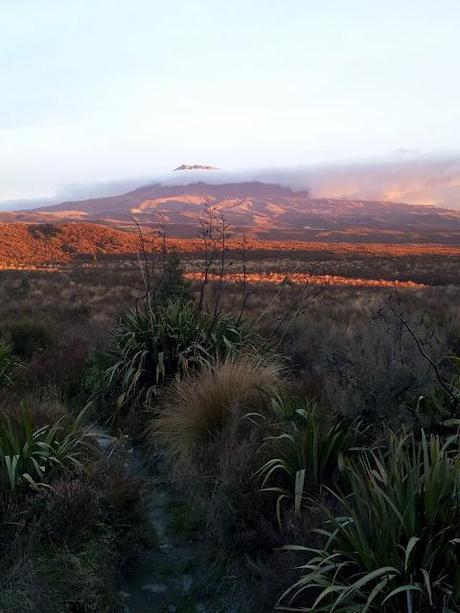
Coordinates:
[260,210]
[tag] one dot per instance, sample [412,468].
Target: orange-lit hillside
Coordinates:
[23,245]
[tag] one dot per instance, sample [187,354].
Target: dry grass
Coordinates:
[303,279]
[199,407]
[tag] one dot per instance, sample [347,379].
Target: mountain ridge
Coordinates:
[259,210]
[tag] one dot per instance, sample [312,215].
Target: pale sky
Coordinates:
[97,90]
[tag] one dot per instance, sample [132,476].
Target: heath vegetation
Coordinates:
[310,432]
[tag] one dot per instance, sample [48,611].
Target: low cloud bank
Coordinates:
[423,180]
[417,180]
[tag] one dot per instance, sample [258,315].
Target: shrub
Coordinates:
[62,367]
[172,285]
[7,364]
[366,367]
[124,511]
[200,405]
[62,548]
[285,408]
[155,342]
[441,406]
[212,446]
[97,364]
[21,588]
[81,579]
[27,336]
[31,456]
[43,230]
[395,545]
[68,512]
[306,455]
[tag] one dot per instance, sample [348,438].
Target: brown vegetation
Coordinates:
[221,415]
[199,408]
[29,246]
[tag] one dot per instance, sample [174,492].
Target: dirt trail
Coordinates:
[178,574]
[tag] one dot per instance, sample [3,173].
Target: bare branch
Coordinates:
[246,291]
[399,314]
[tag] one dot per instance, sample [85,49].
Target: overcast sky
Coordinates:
[98,90]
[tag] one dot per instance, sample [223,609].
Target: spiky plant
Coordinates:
[154,343]
[286,407]
[305,456]
[30,456]
[395,545]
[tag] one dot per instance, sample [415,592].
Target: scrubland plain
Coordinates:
[266,404]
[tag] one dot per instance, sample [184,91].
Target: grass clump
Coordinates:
[199,406]
[394,544]
[211,441]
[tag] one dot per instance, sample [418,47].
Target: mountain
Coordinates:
[195,167]
[259,210]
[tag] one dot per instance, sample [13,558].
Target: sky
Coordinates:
[95,91]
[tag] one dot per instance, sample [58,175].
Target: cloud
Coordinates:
[406,177]
[418,180]
[415,179]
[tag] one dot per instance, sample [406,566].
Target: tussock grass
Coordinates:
[199,406]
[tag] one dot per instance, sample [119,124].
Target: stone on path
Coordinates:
[154,592]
